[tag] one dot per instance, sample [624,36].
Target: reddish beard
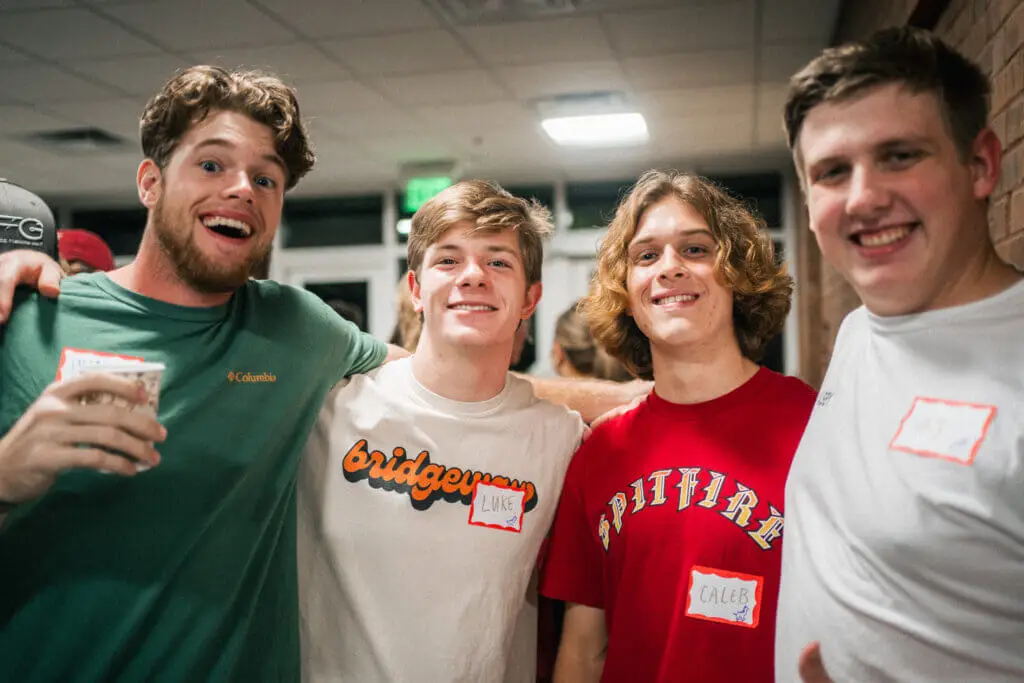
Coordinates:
[177,241]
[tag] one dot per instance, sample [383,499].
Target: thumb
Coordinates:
[812,668]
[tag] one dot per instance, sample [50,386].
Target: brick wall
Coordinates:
[991,32]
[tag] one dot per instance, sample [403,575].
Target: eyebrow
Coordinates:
[226,144]
[888,143]
[685,233]
[494,249]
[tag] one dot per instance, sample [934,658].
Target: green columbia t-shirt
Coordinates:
[184,573]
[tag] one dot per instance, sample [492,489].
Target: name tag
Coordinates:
[73,362]
[725,597]
[497,507]
[944,429]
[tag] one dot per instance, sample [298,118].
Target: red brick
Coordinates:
[998,124]
[1008,82]
[998,212]
[1013,167]
[1016,212]
[974,41]
[1011,250]
[1014,121]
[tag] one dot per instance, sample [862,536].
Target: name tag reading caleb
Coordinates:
[497,507]
[725,597]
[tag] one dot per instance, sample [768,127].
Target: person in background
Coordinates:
[82,251]
[575,353]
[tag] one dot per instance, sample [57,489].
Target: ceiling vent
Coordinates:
[78,141]
[492,11]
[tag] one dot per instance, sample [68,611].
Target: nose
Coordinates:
[239,186]
[672,266]
[472,274]
[867,193]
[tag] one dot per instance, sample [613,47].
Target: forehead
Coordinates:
[463,235]
[242,133]
[884,114]
[667,217]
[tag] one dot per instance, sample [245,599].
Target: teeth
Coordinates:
[241,226]
[471,307]
[884,237]
[677,298]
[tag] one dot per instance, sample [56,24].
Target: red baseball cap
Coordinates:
[85,246]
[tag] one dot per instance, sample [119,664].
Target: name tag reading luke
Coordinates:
[944,429]
[497,507]
[725,597]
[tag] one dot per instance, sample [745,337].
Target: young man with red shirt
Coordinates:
[666,542]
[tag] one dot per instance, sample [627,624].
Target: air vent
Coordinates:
[78,141]
[491,11]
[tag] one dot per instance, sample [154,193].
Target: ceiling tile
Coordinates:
[201,24]
[780,61]
[360,125]
[541,80]
[692,70]
[119,116]
[401,149]
[334,98]
[336,18]
[770,133]
[404,53]
[799,20]
[43,83]
[695,102]
[294,62]
[21,5]
[18,120]
[438,89]
[139,75]
[9,56]
[688,136]
[496,115]
[557,40]
[70,33]
[692,28]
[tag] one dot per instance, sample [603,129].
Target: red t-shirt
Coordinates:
[671,521]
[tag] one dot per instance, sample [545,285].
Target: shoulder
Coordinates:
[285,298]
[788,393]
[540,411]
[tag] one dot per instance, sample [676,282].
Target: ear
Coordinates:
[149,183]
[986,160]
[414,291]
[533,293]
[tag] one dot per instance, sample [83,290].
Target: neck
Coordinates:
[985,275]
[466,374]
[152,275]
[696,374]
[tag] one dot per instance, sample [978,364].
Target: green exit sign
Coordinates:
[419,190]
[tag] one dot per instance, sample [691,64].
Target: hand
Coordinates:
[634,393]
[57,433]
[27,267]
[812,669]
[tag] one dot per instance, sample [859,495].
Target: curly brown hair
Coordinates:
[192,94]
[745,262]
[491,209]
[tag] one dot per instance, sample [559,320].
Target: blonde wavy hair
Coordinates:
[745,262]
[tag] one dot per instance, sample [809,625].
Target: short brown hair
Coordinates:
[745,262]
[491,209]
[581,350]
[192,94]
[912,57]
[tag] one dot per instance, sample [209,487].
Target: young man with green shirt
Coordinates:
[185,572]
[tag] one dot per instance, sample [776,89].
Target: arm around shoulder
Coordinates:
[591,398]
[584,643]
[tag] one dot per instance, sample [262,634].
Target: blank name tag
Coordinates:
[497,507]
[725,597]
[944,429]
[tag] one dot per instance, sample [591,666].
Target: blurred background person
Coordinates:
[574,352]
[82,251]
[407,330]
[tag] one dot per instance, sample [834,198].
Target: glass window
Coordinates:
[592,205]
[121,229]
[333,222]
[761,192]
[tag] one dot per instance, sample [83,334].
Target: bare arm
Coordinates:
[591,398]
[584,643]
[394,353]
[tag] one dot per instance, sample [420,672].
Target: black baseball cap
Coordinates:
[26,222]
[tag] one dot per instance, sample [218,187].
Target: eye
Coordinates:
[830,173]
[901,158]
[500,263]
[210,166]
[445,261]
[696,250]
[267,182]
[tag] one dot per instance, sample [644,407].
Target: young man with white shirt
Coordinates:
[428,485]
[904,553]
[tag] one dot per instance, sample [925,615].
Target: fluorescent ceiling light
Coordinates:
[404,226]
[602,130]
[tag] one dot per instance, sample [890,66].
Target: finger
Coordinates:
[8,281]
[93,459]
[49,279]
[72,390]
[110,438]
[812,668]
[140,424]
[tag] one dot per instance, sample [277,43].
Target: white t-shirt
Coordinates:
[904,552]
[399,579]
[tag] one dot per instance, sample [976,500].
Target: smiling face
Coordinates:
[893,205]
[472,290]
[674,296]
[216,205]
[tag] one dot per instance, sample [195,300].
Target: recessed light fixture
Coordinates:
[597,130]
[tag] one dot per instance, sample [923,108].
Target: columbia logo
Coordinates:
[251,377]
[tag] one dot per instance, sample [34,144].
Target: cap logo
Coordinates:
[28,228]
